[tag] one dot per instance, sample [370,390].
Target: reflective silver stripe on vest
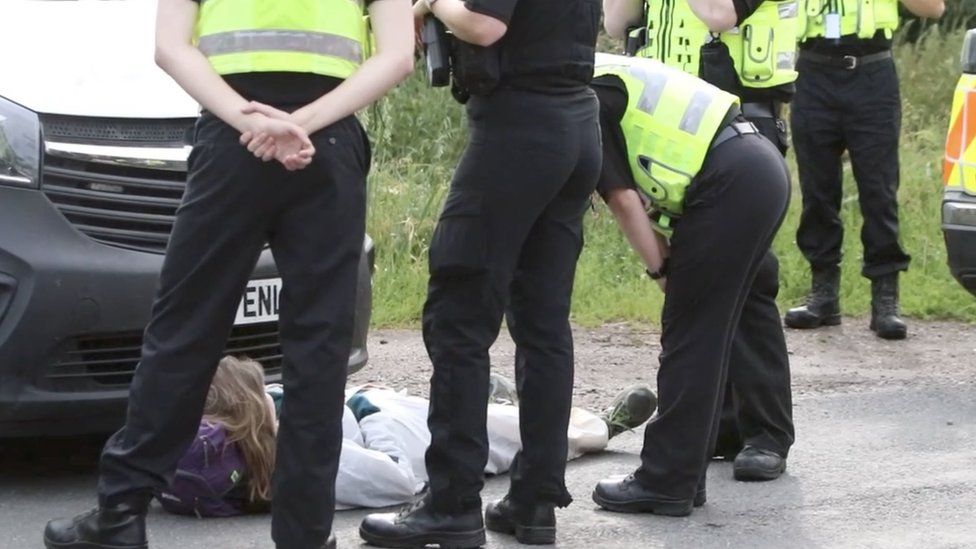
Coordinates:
[319,43]
[695,112]
[786,61]
[654,83]
[787,10]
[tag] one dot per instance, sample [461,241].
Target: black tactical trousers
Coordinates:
[859,110]
[758,405]
[732,211]
[508,237]
[314,220]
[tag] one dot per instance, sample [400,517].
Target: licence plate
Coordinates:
[260,302]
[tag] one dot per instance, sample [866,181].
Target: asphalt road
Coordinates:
[885,455]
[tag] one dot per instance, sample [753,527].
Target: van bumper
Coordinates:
[959,228]
[72,312]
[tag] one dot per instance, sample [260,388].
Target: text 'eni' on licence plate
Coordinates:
[260,302]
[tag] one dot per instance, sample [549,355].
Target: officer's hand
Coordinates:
[266,149]
[270,138]
[267,110]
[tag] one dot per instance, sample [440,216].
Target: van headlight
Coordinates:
[20,146]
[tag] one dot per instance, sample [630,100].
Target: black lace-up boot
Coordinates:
[884,308]
[118,526]
[530,524]
[823,306]
[420,525]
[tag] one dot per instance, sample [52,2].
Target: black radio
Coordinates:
[437,51]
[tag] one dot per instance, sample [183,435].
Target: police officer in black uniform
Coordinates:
[679,147]
[508,237]
[278,158]
[701,37]
[847,99]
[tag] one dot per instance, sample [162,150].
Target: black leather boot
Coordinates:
[884,308]
[120,526]
[531,524]
[627,495]
[758,464]
[420,525]
[823,306]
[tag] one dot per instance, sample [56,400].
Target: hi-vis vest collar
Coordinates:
[326,37]
[668,126]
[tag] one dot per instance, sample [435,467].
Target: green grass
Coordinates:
[418,135]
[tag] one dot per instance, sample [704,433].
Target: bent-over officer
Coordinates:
[693,168]
[747,48]
[299,186]
[847,99]
[508,237]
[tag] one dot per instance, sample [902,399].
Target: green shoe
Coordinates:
[629,409]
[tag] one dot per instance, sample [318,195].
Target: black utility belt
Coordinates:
[761,109]
[735,129]
[849,62]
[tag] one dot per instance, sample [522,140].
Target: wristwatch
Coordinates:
[661,272]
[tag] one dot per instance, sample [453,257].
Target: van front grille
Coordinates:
[117,131]
[124,206]
[109,360]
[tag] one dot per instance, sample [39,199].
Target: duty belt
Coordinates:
[849,62]
[735,129]
[764,109]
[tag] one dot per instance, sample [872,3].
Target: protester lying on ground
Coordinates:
[226,471]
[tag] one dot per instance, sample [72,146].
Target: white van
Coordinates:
[93,148]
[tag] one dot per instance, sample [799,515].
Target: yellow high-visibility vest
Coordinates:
[763,47]
[326,37]
[668,126]
[861,18]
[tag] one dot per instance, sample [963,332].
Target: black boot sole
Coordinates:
[445,540]
[88,545]
[897,333]
[652,506]
[758,474]
[526,535]
[810,324]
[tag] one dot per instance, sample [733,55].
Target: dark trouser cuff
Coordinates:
[529,496]
[878,271]
[138,500]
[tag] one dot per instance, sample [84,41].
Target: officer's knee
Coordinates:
[767,277]
[459,247]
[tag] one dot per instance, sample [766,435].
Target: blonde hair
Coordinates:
[237,400]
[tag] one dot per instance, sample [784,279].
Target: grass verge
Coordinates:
[418,135]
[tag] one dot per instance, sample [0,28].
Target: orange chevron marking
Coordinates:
[964,120]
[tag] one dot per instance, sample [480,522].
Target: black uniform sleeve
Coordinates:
[745,8]
[613,102]
[499,9]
